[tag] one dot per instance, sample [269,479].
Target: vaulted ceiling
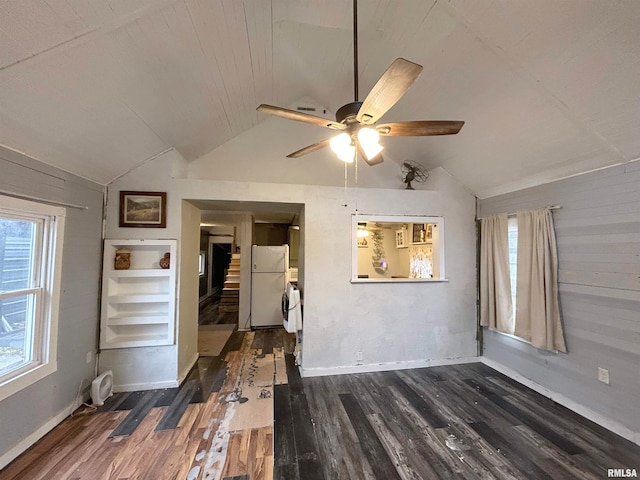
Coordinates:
[547,88]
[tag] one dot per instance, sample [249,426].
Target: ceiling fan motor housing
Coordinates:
[348,110]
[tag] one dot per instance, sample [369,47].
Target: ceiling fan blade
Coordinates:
[390,88]
[420,128]
[309,149]
[374,161]
[300,117]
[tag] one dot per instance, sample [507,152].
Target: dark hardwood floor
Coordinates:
[453,422]
[248,415]
[210,313]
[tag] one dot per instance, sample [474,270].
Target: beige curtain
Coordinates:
[496,310]
[537,310]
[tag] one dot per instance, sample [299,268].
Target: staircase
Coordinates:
[230,298]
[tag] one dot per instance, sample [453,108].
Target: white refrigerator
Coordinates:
[269,267]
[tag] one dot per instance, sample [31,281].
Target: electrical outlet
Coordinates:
[358,356]
[603,375]
[89,356]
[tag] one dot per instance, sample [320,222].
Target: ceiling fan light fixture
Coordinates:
[368,138]
[341,146]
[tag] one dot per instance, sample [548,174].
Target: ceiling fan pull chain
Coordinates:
[355,156]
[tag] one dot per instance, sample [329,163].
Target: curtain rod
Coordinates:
[552,207]
[43,200]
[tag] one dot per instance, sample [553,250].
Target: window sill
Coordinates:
[399,280]
[14,385]
[522,340]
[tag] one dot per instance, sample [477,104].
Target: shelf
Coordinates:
[140,298]
[138,304]
[138,341]
[136,319]
[141,272]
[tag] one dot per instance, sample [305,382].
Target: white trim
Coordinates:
[134,387]
[384,367]
[45,428]
[600,419]
[436,220]
[50,249]
[399,280]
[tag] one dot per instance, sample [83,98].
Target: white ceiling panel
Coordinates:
[547,89]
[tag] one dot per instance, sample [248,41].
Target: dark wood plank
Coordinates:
[306,447]
[174,413]
[372,448]
[136,415]
[286,472]
[166,396]
[338,446]
[293,375]
[130,400]
[525,461]
[427,412]
[285,461]
[220,377]
[233,344]
[532,422]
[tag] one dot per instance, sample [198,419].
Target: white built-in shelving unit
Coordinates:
[138,304]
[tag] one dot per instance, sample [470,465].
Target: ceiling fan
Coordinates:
[357,120]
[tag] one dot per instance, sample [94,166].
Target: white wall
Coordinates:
[146,367]
[188,287]
[394,325]
[259,155]
[245,237]
[32,412]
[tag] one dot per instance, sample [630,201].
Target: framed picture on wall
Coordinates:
[428,232]
[143,209]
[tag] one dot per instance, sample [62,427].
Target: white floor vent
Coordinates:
[102,388]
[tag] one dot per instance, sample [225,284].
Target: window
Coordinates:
[397,248]
[31,237]
[513,259]
[201,263]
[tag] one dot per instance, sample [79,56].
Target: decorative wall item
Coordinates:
[363,233]
[422,232]
[379,261]
[401,238]
[165,261]
[420,261]
[122,260]
[143,209]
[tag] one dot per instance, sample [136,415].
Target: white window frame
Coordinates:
[400,219]
[47,268]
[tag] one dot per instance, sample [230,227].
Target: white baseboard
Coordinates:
[600,419]
[45,428]
[134,387]
[384,367]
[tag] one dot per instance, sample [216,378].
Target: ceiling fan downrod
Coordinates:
[355,50]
